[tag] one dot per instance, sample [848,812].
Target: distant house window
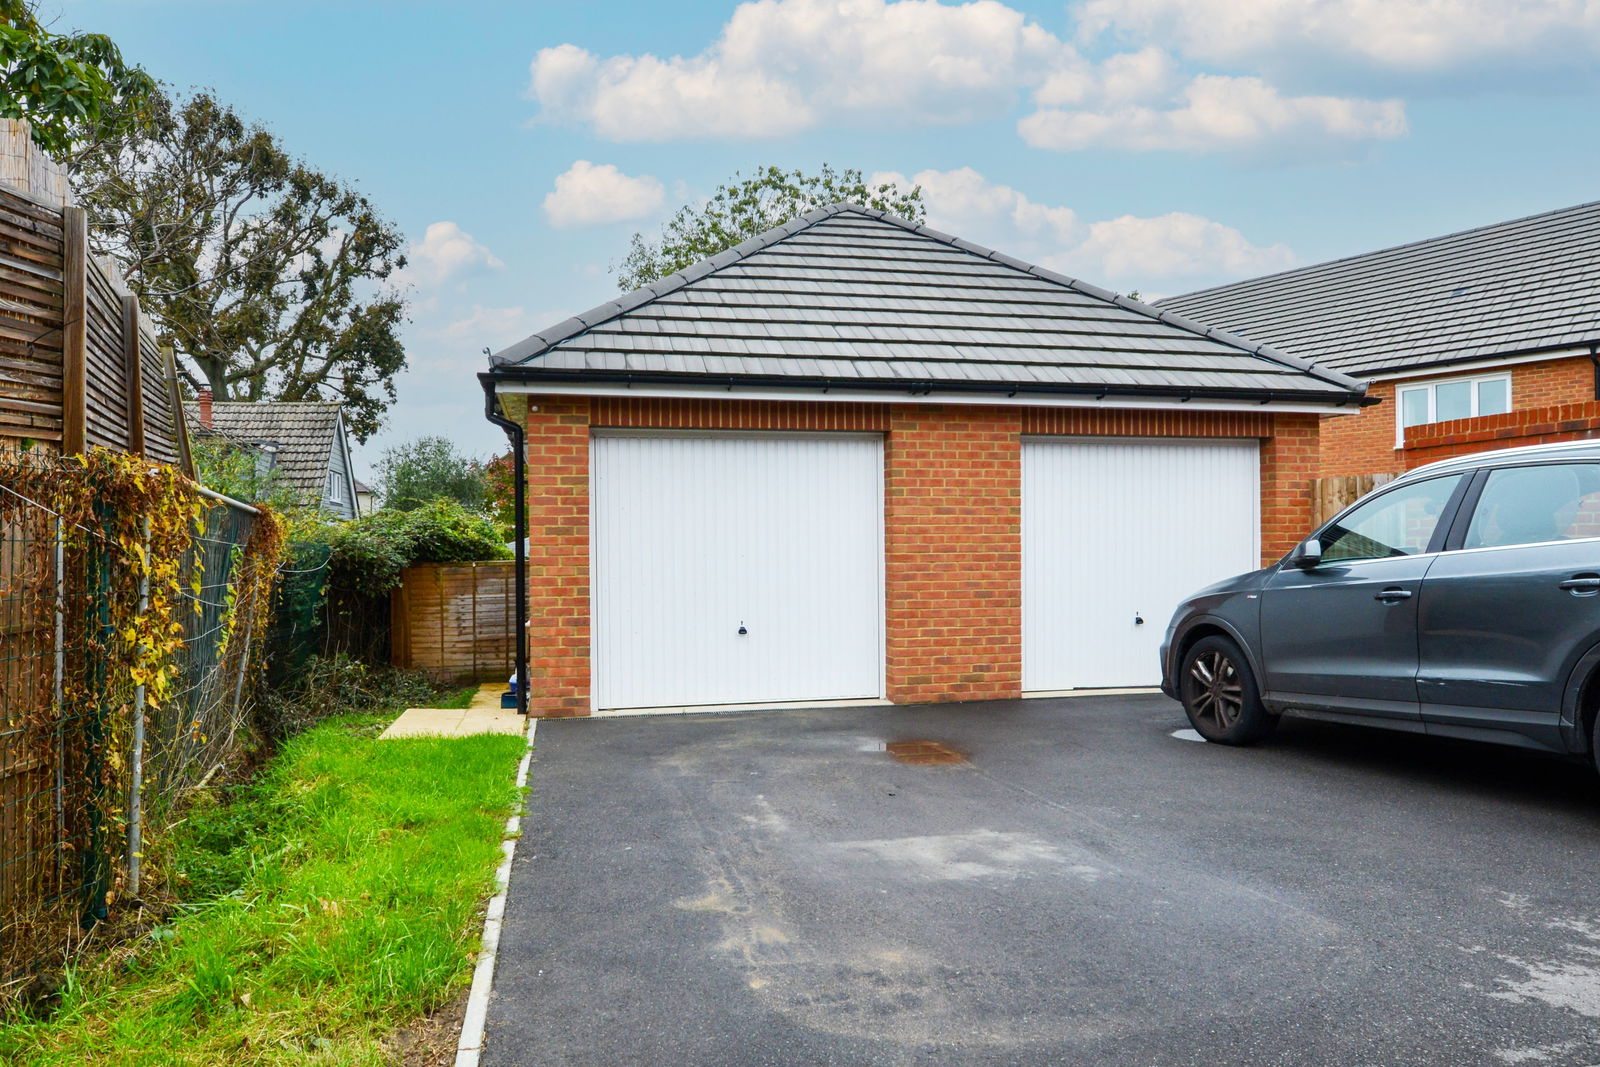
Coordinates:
[1453,398]
[335,487]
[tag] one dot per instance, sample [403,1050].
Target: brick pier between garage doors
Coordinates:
[947,621]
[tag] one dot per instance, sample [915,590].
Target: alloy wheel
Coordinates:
[1215,690]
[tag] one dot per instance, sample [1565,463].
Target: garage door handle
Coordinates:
[1391,596]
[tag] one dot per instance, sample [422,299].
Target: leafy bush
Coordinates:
[338,686]
[369,553]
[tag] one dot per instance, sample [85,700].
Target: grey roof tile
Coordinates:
[1524,285]
[849,293]
[301,435]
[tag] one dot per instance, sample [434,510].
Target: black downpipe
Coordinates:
[1594,358]
[519,510]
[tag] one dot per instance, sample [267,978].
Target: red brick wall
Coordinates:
[1288,463]
[1537,426]
[1364,443]
[953,563]
[558,560]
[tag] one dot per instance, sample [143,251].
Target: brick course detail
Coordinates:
[953,521]
[1534,426]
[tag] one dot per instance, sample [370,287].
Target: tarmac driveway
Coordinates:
[773,888]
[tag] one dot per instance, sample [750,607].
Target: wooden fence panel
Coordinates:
[108,417]
[1329,496]
[79,366]
[456,620]
[31,300]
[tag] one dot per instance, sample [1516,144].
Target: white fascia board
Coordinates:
[1450,370]
[858,396]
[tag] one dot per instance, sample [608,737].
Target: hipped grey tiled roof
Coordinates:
[303,433]
[851,297]
[1516,287]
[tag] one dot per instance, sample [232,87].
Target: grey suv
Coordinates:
[1459,600]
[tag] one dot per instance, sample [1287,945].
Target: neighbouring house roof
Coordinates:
[301,434]
[1514,288]
[848,297]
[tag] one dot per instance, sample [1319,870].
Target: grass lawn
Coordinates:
[460,698]
[338,898]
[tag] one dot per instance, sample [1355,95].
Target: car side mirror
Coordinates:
[1308,555]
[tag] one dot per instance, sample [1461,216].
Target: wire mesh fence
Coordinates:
[126,663]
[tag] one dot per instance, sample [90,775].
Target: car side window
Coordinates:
[1400,522]
[1527,505]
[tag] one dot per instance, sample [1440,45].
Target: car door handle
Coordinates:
[1392,596]
[1581,585]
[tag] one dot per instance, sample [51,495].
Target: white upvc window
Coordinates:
[1418,403]
[335,487]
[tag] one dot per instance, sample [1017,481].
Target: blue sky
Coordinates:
[1157,145]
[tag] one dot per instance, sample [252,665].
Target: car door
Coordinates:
[1503,619]
[1342,635]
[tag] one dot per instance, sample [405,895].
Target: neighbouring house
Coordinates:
[302,445]
[366,499]
[856,458]
[1479,339]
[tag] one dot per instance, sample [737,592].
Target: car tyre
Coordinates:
[1594,743]
[1219,693]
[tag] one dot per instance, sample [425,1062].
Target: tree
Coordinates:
[745,207]
[500,490]
[428,469]
[264,274]
[64,84]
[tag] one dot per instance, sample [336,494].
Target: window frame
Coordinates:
[1462,521]
[1431,385]
[1443,530]
[335,487]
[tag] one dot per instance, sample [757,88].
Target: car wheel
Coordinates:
[1220,696]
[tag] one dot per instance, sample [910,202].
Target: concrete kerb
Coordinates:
[473,1025]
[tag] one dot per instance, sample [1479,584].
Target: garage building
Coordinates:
[858,459]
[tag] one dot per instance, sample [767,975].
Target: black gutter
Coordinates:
[516,373]
[519,510]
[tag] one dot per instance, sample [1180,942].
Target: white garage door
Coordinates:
[698,537]
[1118,530]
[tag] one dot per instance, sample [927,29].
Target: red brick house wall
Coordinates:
[953,522]
[1536,426]
[1364,443]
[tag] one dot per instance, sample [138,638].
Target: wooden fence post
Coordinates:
[180,424]
[74,329]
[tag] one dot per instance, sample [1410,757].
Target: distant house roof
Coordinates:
[847,297]
[300,433]
[1514,288]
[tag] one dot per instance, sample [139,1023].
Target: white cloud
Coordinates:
[780,66]
[485,327]
[1403,35]
[446,252]
[1176,245]
[1129,251]
[1217,113]
[590,194]
[967,204]
[786,65]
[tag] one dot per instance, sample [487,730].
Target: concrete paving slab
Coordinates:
[483,716]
